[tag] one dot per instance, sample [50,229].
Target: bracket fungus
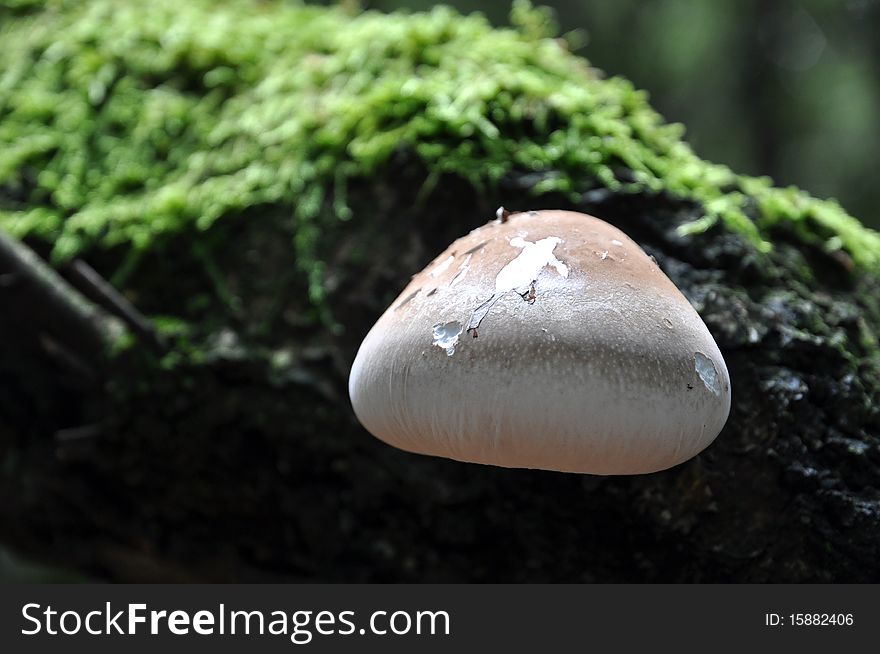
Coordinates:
[543,339]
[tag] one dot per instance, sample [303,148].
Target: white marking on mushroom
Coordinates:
[524,269]
[521,273]
[441,267]
[614,241]
[462,271]
[705,368]
[446,335]
[480,312]
[603,255]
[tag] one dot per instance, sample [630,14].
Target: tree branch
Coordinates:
[100,291]
[41,305]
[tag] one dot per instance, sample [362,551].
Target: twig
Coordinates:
[38,302]
[78,433]
[103,293]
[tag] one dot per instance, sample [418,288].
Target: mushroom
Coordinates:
[543,339]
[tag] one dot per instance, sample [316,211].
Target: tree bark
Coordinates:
[247,463]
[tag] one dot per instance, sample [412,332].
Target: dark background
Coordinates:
[769,87]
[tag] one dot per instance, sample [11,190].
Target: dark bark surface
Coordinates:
[246,463]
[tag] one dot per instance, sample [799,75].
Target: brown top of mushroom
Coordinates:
[546,340]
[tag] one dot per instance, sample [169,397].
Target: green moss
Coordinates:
[123,124]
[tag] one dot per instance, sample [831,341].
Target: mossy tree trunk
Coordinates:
[229,450]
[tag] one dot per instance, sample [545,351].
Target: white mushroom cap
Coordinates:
[587,358]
